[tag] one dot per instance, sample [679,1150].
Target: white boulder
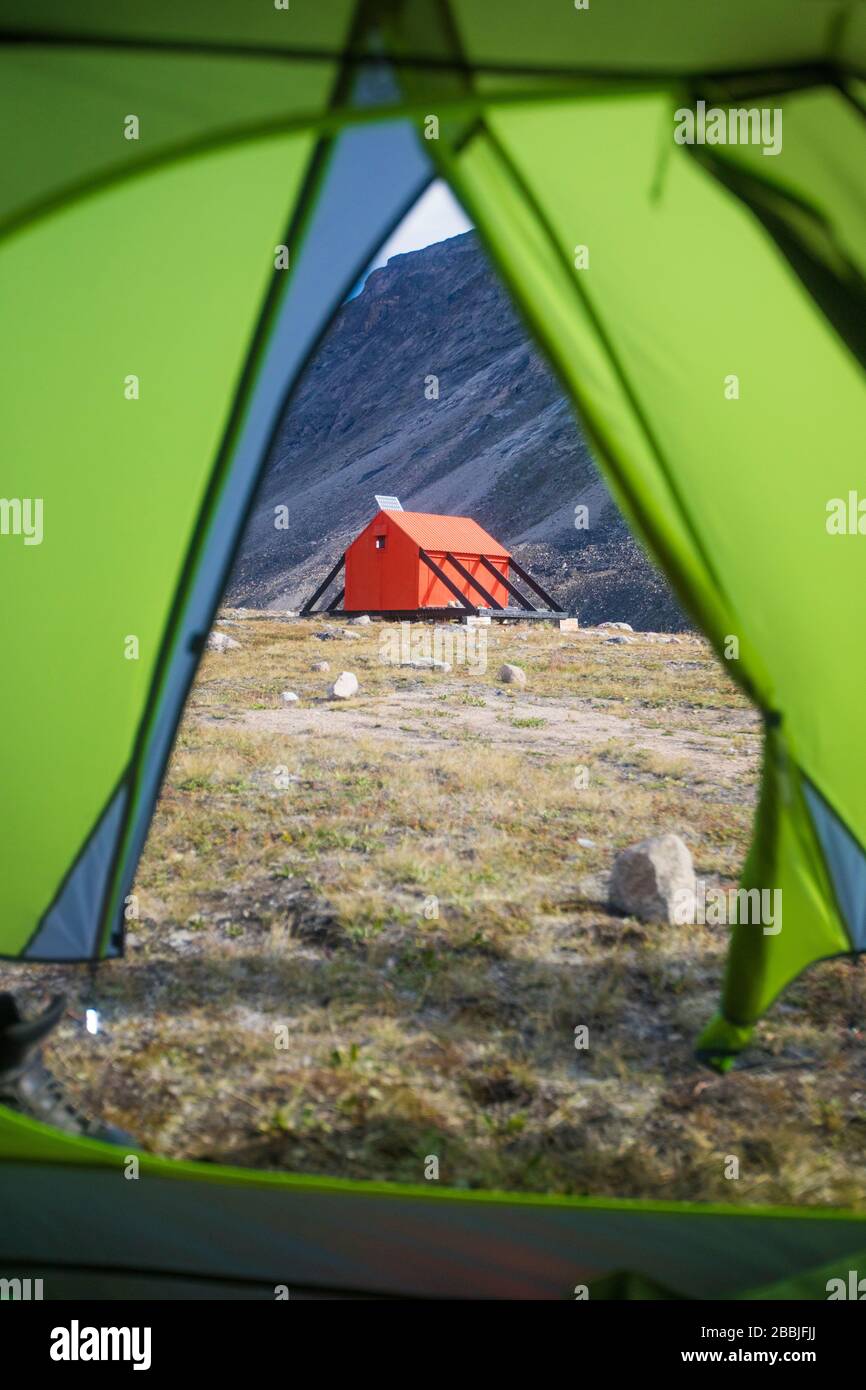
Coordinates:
[220,642]
[654,880]
[345,686]
[512,675]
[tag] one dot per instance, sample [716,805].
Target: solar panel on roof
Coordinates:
[389,504]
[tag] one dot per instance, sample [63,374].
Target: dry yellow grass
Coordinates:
[394,889]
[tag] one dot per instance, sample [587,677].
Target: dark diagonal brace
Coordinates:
[470,579]
[524,602]
[449,584]
[311,602]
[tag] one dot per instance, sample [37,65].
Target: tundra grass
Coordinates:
[379,933]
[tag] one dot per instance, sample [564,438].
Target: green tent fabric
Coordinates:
[156,158]
[732,493]
[185,1230]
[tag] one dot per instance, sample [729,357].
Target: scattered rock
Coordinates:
[586,844]
[348,636]
[327,636]
[618,627]
[629,641]
[654,880]
[321,666]
[362,620]
[289,697]
[426,663]
[512,675]
[345,686]
[220,642]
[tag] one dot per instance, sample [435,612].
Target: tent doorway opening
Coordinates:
[371,935]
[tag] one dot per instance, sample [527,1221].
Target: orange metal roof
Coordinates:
[459,534]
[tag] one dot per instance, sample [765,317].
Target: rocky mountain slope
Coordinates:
[498,443]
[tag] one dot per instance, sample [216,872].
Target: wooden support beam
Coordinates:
[335,600]
[445,615]
[449,584]
[535,586]
[470,579]
[524,602]
[311,602]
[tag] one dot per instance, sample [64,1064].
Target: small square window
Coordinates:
[380,542]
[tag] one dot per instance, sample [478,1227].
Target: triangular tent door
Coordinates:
[189,192]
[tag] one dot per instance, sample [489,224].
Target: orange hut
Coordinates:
[418,564]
